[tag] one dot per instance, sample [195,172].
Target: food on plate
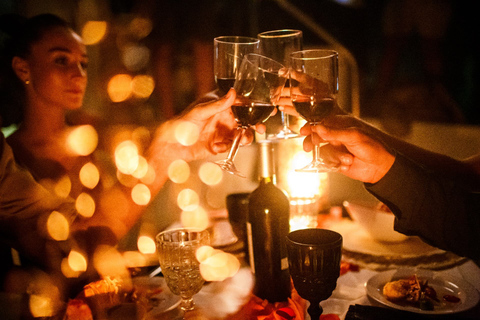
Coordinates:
[415,292]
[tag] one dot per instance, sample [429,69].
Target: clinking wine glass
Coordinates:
[313,90]
[259,83]
[180,267]
[278,45]
[314,257]
[228,55]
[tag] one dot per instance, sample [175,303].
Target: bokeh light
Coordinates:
[186,133]
[89,175]
[196,219]
[188,200]
[179,171]
[142,86]
[135,57]
[142,168]
[210,173]
[85,205]
[93,32]
[63,187]
[109,262]
[216,265]
[82,140]
[120,87]
[141,27]
[126,157]
[77,261]
[57,226]
[146,245]
[141,194]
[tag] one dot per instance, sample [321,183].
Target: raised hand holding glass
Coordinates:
[313,90]
[259,83]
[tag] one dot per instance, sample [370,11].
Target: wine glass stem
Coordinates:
[236,143]
[187,304]
[284,118]
[315,310]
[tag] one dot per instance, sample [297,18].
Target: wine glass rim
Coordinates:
[318,54]
[280,33]
[236,39]
[184,229]
[334,238]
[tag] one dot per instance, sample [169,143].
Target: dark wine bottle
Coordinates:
[267,228]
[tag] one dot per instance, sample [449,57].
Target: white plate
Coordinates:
[161,302]
[443,284]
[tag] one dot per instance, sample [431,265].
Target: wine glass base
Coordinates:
[187,304]
[320,166]
[229,166]
[282,135]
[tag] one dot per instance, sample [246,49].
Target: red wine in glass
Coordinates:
[314,111]
[249,114]
[224,85]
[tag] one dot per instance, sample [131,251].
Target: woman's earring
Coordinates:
[27,81]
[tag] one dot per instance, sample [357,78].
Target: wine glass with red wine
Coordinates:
[258,84]
[278,45]
[314,257]
[228,54]
[313,90]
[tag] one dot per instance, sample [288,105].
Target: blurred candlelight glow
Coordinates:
[57,226]
[197,219]
[187,133]
[141,194]
[141,27]
[136,57]
[89,175]
[120,87]
[146,245]
[82,140]
[63,187]
[134,259]
[142,168]
[216,265]
[85,205]
[67,270]
[142,86]
[210,174]
[308,192]
[126,157]
[41,306]
[188,200]
[77,261]
[149,177]
[179,171]
[93,32]
[109,262]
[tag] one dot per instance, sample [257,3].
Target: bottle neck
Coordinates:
[267,166]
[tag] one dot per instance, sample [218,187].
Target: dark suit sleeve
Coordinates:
[426,204]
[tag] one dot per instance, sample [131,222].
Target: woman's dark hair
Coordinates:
[17,34]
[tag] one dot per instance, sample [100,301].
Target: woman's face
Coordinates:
[58,69]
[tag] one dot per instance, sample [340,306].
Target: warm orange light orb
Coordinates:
[57,226]
[146,245]
[179,171]
[120,87]
[196,219]
[187,133]
[93,32]
[82,140]
[127,157]
[188,200]
[141,194]
[85,205]
[210,173]
[89,175]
